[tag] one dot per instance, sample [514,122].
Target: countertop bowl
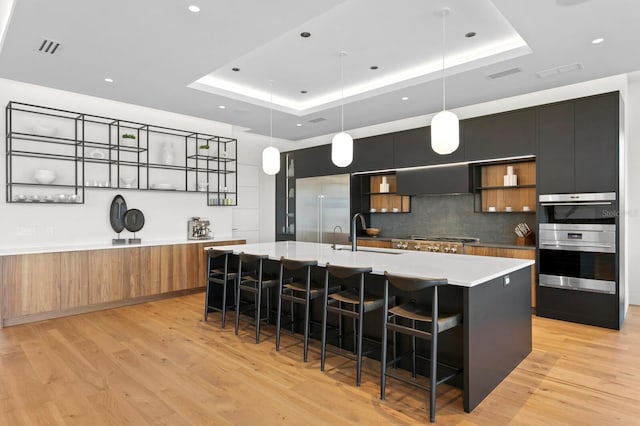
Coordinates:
[372,232]
[44,176]
[39,129]
[127,181]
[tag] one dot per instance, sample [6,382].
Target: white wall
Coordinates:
[45,225]
[632,212]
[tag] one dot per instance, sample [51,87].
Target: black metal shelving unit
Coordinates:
[89,153]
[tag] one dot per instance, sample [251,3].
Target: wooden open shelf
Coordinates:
[494,193]
[385,202]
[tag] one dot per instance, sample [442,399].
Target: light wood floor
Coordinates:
[159,363]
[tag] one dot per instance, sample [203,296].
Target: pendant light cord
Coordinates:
[445,12]
[271,113]
[342,54]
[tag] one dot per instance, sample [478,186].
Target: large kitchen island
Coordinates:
[492,293]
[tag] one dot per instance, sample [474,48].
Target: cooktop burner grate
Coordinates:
[451,239]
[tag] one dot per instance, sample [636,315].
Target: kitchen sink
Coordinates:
[369,250]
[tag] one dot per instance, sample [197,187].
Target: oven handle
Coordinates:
[580,247]
[593,203]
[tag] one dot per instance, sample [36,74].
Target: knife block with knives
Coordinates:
[524,235]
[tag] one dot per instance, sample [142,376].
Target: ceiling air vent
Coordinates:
[48,46]
[317,120]
[503,73]
[559,70]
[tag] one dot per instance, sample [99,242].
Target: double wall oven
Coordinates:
[577,258]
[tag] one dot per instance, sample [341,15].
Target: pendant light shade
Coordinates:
[445,130]
[271,160]
[342,143]
[342,149]
[271,154]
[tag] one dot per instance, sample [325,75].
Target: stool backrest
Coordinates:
[252,258]
[214,253]
[410,284]
[347,271]
[294,265]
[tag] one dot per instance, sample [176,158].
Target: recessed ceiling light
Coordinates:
[305,34]
[108,80]
[236,69]
[193,8]
[373,67]
[299,124]
[222,107]
[405,98]
[470,34]
[597,40]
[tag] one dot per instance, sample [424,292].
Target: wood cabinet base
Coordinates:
[25,319]
[35,287]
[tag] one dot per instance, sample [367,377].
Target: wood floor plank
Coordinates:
[160,364]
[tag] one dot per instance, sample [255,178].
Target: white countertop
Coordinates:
[459,269]
[101,246]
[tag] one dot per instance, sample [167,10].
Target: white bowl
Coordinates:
[44,176]
[202,186]
[127,181]
[39,129]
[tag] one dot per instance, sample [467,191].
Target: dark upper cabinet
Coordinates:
[372,153]
[503,135]
[555,161]
[437,180]
[413,148]
[596,143]
[578,145]
[316,161]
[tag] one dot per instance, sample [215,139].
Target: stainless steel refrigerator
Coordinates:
[322,203]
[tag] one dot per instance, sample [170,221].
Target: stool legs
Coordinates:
[324,323]
[360,325]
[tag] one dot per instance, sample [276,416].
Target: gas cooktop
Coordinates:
[433,244]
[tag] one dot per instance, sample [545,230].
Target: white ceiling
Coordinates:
[161,55]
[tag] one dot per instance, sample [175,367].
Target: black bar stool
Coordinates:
[297,291]
[219,272]
[433,323]
[254,282]
[360,303]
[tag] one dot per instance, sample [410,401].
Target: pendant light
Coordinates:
[271,154]
[445,131]
[342,143]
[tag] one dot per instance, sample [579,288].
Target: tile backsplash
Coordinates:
[450,216]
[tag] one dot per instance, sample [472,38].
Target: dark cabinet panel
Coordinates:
[555,162]
[596,150]
[372,153]
[413,148]
[436,180]
[578,145]
[316,161]
[508,134]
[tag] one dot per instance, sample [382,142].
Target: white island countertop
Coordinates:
[459,269]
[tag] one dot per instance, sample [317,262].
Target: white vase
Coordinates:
[167,153]
[203,152]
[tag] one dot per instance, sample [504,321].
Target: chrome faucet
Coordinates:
[354,238]
[333,246]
